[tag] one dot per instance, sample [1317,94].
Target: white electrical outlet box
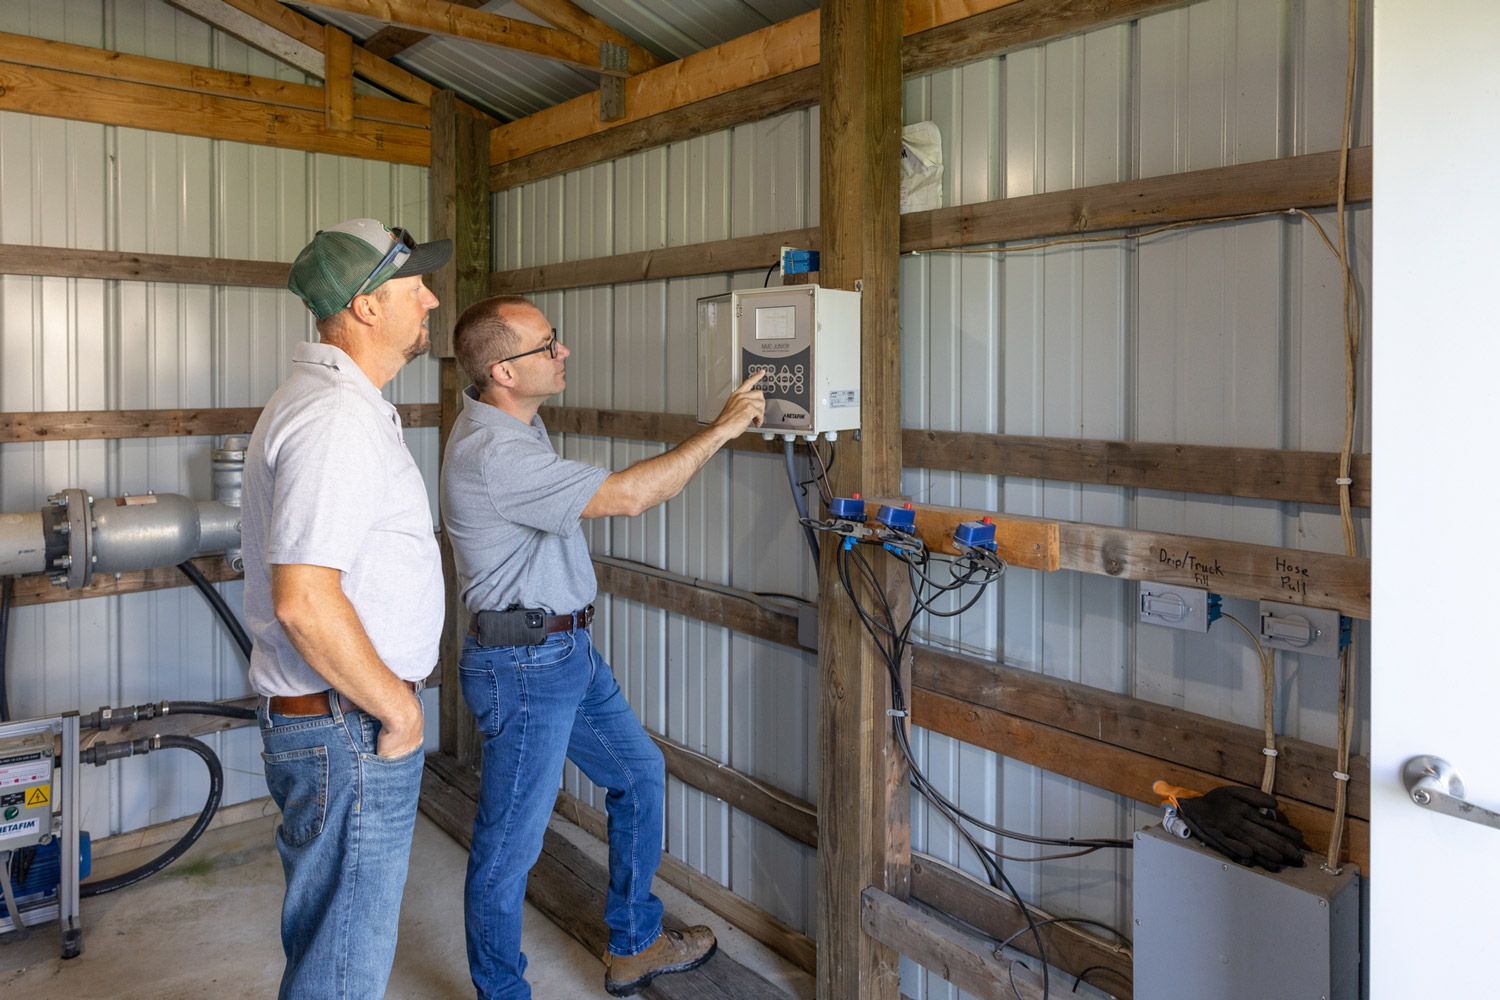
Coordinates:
[805,341]
[1187,608]
[1299,629]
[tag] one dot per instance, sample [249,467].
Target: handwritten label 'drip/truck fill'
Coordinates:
[1188,562]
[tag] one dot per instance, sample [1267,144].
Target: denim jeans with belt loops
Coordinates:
[345,836]
[535,706]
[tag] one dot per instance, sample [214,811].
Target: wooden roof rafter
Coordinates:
[563,14]
[301,41]
[461,21]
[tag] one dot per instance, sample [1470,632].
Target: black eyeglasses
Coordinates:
[401,240]
[550,347]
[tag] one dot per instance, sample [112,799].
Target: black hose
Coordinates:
[799,499]
[216,601]
[171,854]
[207,708]
[6,583]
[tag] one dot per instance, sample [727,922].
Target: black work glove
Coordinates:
[1244,825]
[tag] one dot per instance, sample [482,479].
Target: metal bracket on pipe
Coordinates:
[1434,784]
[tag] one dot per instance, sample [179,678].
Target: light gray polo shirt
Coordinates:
[511,508]
[329,482]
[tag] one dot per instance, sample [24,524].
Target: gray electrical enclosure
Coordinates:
[1206,927]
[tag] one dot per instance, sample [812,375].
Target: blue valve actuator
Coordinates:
[847,508]
[976,535]
[898,518]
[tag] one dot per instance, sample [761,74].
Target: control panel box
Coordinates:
[1206,927]
[803,339]
[25,790]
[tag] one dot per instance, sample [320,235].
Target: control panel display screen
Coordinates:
[776,323]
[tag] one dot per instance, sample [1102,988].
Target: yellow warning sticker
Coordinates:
[38,796]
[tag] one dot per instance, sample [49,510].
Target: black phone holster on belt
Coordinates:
[511,627]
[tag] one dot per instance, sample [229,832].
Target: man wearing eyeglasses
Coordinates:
[529,670]
[344,599]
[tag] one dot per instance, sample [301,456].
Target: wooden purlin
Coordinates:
[1237,569]
[109,425]
[76,97]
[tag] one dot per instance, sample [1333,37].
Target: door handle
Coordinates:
[1434,784]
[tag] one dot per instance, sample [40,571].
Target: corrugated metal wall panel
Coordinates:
[86,344]
[1221,335]
[1226,335]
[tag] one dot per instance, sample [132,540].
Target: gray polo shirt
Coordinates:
[511,508]
[329,482]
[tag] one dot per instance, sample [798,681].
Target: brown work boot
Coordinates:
[672,951]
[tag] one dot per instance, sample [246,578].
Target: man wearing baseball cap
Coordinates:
[344,599]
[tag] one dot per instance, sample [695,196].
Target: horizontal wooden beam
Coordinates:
[106,425]
[1224,749]
[393,40]
[1257,473]
[1263,473]
[775,96]
[719,257]
[74,96]
[763,926]
[781,48]
[1308,181]
[1014,26]
[1104,765]
[105,64]
[740,613]
[942,887]
[963,958]
[115,265]
[1236,569]
[793,816]
[38,589]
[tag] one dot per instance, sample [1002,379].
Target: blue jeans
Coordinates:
[344,839]
[535,706]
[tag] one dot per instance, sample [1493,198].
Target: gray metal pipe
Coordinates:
[23,544]
[141,532]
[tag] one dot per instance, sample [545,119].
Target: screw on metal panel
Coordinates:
[1138,921]
[1225,867]
[1323,903]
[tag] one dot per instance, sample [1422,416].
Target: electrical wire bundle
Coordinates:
[977,568]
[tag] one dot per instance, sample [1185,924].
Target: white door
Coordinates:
[1435,886]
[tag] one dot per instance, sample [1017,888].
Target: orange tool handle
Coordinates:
[1171,793]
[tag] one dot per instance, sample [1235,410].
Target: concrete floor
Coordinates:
[207,927]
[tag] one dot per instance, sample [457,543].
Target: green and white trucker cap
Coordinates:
[357,257]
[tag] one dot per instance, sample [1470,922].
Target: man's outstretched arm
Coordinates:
[658,479]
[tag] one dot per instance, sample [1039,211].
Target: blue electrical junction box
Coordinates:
[902,518]
[976,535]
[847,508]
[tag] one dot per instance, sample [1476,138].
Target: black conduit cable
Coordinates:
[112,751]
[207,708]
[799,498]
[216,601]
[6,585]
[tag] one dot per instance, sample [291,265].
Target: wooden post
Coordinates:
[338,79]
[864,824]
[458,182]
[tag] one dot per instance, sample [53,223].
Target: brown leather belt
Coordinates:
[317,702]
[552,623]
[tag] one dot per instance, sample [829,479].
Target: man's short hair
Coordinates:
[483,336]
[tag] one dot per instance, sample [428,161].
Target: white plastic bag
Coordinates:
[921,167]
